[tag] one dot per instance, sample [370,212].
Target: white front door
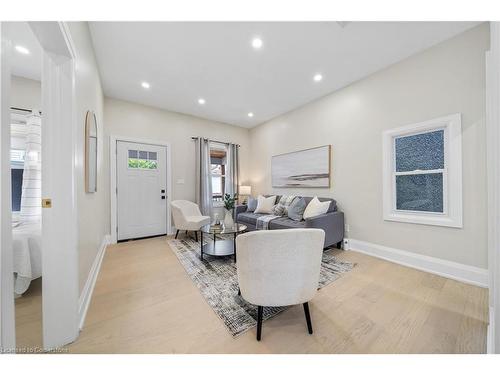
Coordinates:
[141,190]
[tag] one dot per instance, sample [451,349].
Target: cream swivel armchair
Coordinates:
[187,216]
[279,268]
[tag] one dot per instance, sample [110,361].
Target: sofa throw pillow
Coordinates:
[315,208]
[279,210]
[296,209]
[286,200]
[251,204]
[265,205]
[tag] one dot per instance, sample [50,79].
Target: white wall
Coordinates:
[445,79]
[93,209]
[25,93]
[138,121]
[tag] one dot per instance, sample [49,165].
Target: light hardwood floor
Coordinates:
[29,317]
[144,302]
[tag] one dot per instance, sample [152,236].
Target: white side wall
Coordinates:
[93,209]
[445,79]
[25,93]
[132,120]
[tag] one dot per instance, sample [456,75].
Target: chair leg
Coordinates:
[308,318]
[176,233]
[196,235]
[260,311]
[187,234]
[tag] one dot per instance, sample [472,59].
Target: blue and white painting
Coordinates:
[307,168]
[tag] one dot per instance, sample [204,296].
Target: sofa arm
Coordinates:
[333,225]
[239,209]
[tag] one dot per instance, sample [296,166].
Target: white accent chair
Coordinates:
[279,268]
[187,216]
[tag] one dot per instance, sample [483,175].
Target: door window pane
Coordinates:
[420,192]
[142,159]
[420,151]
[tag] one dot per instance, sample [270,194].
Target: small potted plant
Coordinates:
[229,202]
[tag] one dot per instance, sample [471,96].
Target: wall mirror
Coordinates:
[90,152]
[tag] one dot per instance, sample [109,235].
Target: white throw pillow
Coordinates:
[315,208]
[265,205]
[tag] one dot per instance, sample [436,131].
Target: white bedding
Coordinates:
[26,244]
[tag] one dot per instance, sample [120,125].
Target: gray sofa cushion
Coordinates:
[286,223]
[248,217]
[296,209]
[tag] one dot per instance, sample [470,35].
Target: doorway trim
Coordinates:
[7,312]
[493,172]
[112,181]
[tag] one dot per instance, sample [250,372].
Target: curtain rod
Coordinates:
[23,109]
[211,140]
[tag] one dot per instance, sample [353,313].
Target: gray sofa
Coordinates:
[332,222]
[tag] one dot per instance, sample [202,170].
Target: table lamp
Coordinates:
[245,191]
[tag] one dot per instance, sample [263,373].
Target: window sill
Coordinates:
[426,219]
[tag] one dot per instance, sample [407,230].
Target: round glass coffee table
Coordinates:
[221,247]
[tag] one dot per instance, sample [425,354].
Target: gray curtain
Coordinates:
[232,169]
[203,176]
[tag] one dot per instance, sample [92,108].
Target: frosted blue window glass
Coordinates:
[420,192]
[421,151]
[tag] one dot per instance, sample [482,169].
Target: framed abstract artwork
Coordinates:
[305,168]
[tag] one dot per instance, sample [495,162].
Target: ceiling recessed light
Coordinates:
[317,77]
[257,43]
[201,101]
[145,85]
[250,114]
[22,50]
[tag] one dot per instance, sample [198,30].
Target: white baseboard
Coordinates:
[86,296]
[452,270]
[490,338]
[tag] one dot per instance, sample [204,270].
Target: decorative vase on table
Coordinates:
[228,219]
[229,206]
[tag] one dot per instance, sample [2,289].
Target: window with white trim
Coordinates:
[218,172]
[423,172]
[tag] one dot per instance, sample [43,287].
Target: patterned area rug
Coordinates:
[218,282]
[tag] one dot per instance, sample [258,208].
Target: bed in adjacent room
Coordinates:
[26,243]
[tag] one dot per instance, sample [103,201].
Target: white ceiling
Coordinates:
[184,61]
[28,66]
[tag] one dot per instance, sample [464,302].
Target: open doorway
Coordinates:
[39,259]
[26,184]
